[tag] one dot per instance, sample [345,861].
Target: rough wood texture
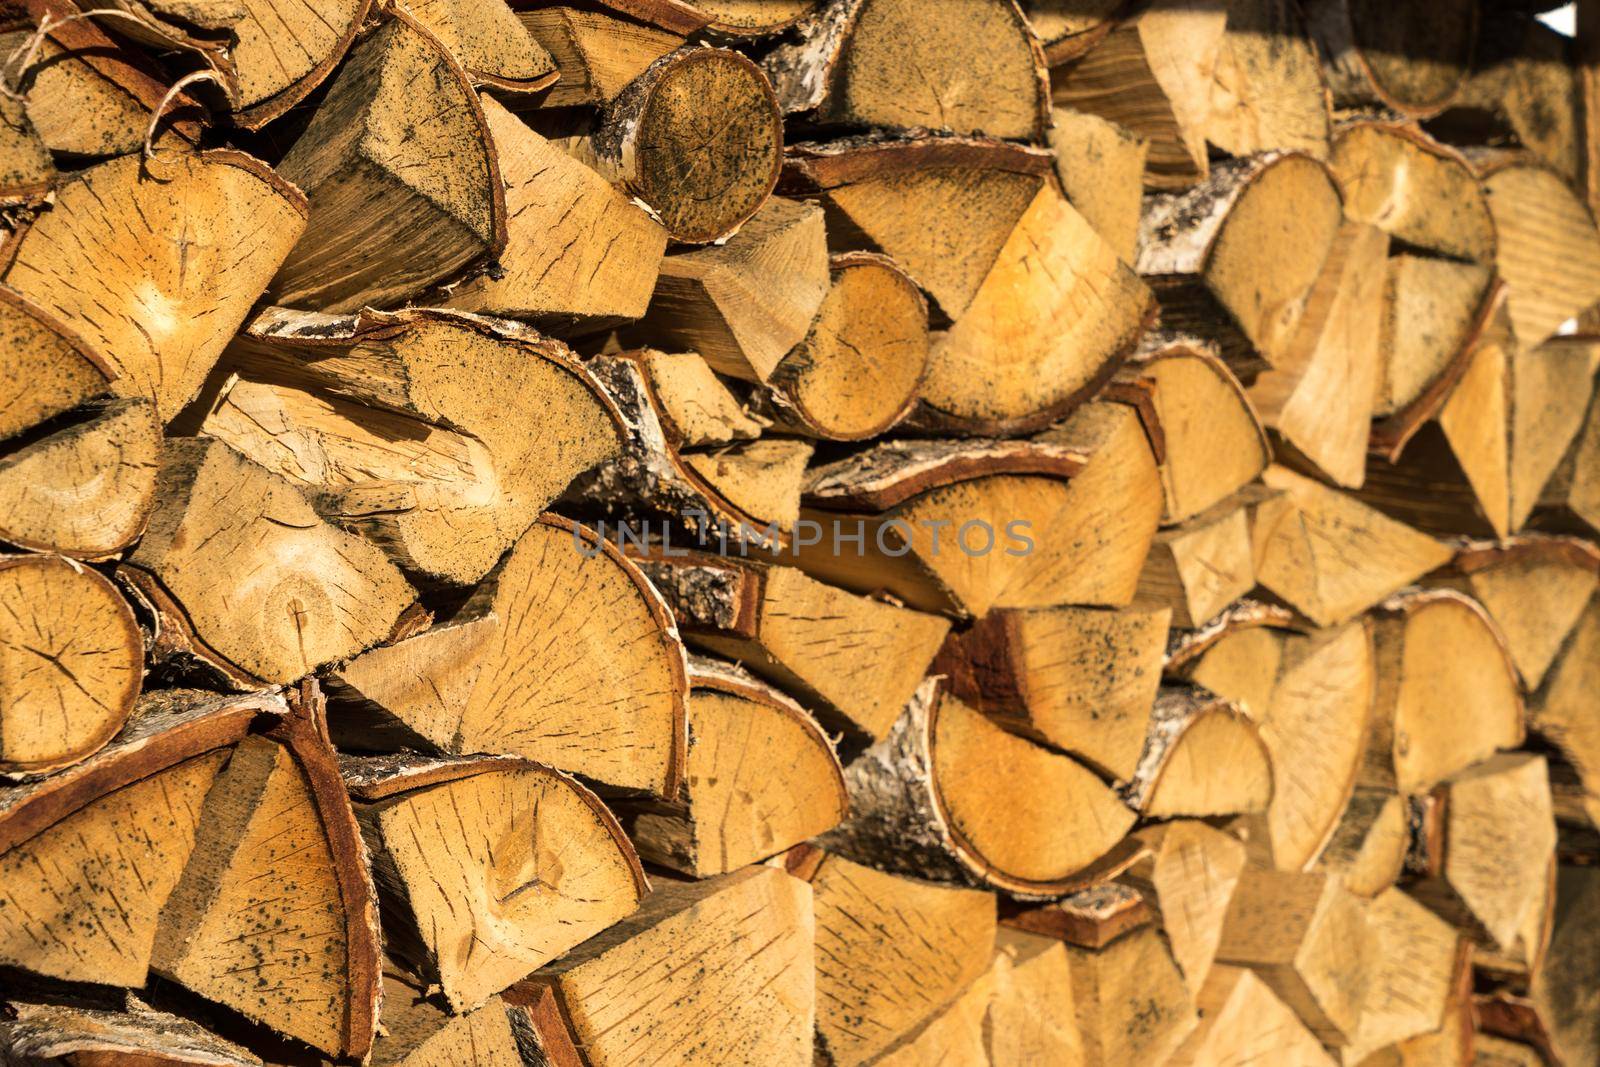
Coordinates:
[1193,733]
[1187,876]
[62,1033]
[1198,568]
[1548,249]
[47,368]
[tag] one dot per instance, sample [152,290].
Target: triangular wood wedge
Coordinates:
[854,661]
[489,42]
[1435,312]
[1572,496]
[1202,757]
[1186,876]
[314,593]
[1068,28]
[1447,694]
[86,489]
[1420,192]
[27,172]
[734,808]
[1030,1019]
[974,69]
[197,238]
[1101,167]
[1329,556]
[413,429]
[1412,978]
[488,867]
[1561,709]
[1242,1022]
[1225,267]
[695,408]
[275,915]
[1267,93]
[966,526]
[955,1034]
[73,666]
[597,52]
[400,200]
[1198,568]
[418,1033]
[1082,680]
[720,967]
[117,830]
[1414,62]
[1368,847]
[564,654]
[891,951]
[924,801]
[46,369]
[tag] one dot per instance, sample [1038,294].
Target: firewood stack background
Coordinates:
[770,532]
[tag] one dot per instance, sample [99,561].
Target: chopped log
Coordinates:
[417,1033]
[314,594]
[1535,588]
[1563,988]
[1082,680]
[399,200]
[196,242]
[890,952]
[1046,328]
[916,200]
[1242,1022]
[1089,918]
[76,105]
[1328,555]
[698,138]
[73,663]
[1152,74]
[1560,711]
[564,654]
[275,915]
[488,867]
[1223,264]
[1100,166]
[70,1034]
[1186,877]
[1214,443]
[46,370]
[1435,312]
[976,68]
[577,251]
[1498,838]
[1030,1018]
[27,172]
[720,967]
[1368,847]
[490,42]
[954,1036]
[117,830]
[964,528]
[735,809]
[1310,941]
[858,370]
[744,304]
[1312,695]
[1452,1045]
[596,52]
[1414,62]
[1198,568]
[1420,192]
[762,478]
[1411,978]
[408,429]
[1573,492]
[1548,250]
[1194,734]
[86,489]
[694,407]
[1267,93]
[1447,694]
[1318,401]
[923,803]
[1129,1000]
[854,661]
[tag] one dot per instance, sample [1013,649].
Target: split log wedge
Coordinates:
[596,51]
[1202,757]
[1198,568]
[1243,1022]
[1101,168]
[1420,192]
[1369,846]
[1030,1019]
[46,370]
[1412,978]
[489,42]
[1559,710]
[418,1033]
[1186,876]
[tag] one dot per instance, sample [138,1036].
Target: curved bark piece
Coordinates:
[275,915]
[1194,737]
[399,200]
[1214,443]
[744,304]
[734,810]
[46,370]
[891,952]
[1368,847]
[1310,940]
[1243,1022]
[597,52]
[117,830]
[1198,568]
[917,199]
[197,240]
[1413,977]
[1420,192]
[1186,876]
[721,968]
[86,489]
[923,802]
[489,42]
[964,527]
[489,867]
[1560,710]
[564,654]
[1082,680]
[411,428]
[750,18]
[857,371]
[67,1033]
[1068,28]
[1046,328]
[1414,61]
[976,68]
[577,250]
[1267,93]
[1447,694]
[853,660]
[1234,259]
[72,665]
[654,143]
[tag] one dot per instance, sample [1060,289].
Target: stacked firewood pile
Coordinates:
[771,532]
